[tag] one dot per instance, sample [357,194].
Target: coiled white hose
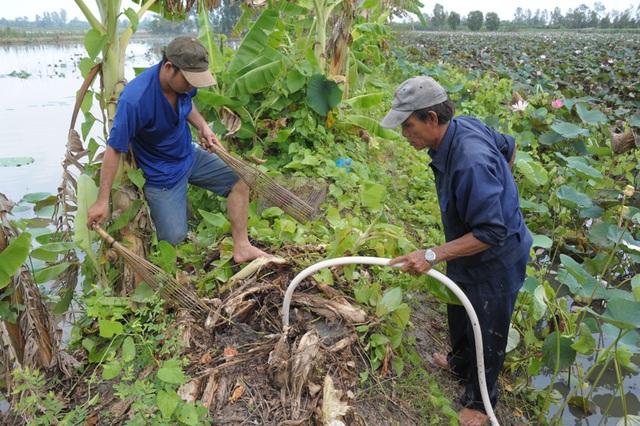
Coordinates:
[381,261]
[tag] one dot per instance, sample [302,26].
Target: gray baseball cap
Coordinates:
[413,94]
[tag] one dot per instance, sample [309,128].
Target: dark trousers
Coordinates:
[493,301]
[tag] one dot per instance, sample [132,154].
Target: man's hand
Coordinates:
[97,213]
[413,263]
[207,139]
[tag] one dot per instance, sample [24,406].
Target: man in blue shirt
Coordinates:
[488,243]
[153,116]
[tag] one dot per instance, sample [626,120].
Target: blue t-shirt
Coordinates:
[478,194]
[159,135]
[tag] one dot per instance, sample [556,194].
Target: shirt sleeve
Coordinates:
[126,123]
[506,144]
[478,199]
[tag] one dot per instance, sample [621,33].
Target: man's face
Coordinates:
[421,134]
[177,81]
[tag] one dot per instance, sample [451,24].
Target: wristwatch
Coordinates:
[430,256]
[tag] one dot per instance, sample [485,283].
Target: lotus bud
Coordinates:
[624,211]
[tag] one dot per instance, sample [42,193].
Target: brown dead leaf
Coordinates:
[237,393]
[384,370]
[229,353]
[206,358]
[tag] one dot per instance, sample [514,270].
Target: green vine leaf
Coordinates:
[171,372]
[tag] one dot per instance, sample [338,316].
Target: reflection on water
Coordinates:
[35,111]
[603,397]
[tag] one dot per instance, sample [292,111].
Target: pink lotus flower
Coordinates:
[557,103]
[538,72]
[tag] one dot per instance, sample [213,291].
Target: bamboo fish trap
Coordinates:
[303,206]
[158,279]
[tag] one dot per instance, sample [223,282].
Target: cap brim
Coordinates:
[394,118]
[199,79]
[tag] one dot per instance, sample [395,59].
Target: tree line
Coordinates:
[582,17]
[222,19]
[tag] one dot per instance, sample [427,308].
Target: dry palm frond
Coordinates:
[67,201]
[42,346]
[303,208]
[158,279]
[231,120]
[33,339]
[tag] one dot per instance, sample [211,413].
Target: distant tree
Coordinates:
[492,21]
[605,22]
[439,16]
[453,20]
[474,20]
[624,19]
[427,19]
[63,16]
[55,20]
[226,16]
[556,17]
[518,16]
[594,16]
[540,19]
[158,25]
[577,18]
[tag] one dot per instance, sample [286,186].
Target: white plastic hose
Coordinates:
[381,261]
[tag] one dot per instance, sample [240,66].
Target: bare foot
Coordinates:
[471,417]
[441,360]
[247,254]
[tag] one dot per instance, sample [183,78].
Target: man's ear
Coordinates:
[433,117]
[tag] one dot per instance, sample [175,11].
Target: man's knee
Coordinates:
[239,187]
[171,234]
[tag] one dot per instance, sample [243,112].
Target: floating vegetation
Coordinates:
[19,74]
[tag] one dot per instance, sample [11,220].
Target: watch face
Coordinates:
[430,255]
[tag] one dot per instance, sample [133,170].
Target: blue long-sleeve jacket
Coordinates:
[478,194]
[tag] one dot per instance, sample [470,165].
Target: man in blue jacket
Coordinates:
[153,116]
[488,242]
